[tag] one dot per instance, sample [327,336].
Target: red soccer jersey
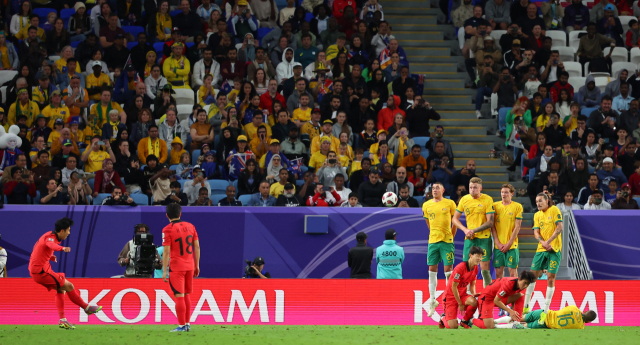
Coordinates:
[42,252]
[463,276]
[179,236]
[504,287]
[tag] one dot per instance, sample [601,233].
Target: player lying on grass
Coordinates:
[569,317]
[501,292]
[456,300]
[41,272]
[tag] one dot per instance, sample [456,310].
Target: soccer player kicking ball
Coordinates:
[40,270]
[547,229]
[478,210]
[456,300]
[501,292]
[181,244]
[569,317]
[437,213]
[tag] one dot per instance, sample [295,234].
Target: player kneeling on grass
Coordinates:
[40,270]
[569,317]
[501,292]
[456,300]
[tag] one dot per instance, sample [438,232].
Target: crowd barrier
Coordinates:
[289,301]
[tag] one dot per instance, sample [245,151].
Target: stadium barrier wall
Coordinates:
[611,243]
[289,301]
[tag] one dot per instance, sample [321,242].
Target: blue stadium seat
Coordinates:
[140,199]
[42,13]
[98,200]
[74,44]
[90,183]
[263,32]
[637,200]
[502,119]
[235,184]
[122,179]
[194,156]
[215,198]
[173,13]
[587,111]
[218,186]
[244,199]
[173,167]
[36,200]
[419,199]
[299,183]
[130,45]
[133,30]
[308,17]
[420,140]
[158,47]
[592,170]
[182,182]
[190,44]
[65,14]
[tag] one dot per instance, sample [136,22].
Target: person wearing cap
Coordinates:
[176,68]
[596,201]
[256,270]
[23,106]
[389,257]
[110,33]
[623,199]
[327,130]
[96,81]
[609,25]
[193,186]
[42,94]
[360,258]
[56,110]
[370,192]
[176,37]
[243,21]
[289,198]
[79,23]
[75,97]
[117,54]
[609,172]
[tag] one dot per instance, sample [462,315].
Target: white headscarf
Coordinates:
[274,169]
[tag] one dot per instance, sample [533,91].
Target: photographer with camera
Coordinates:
[623,201]
[255,269]
[135,250]
[203,198]
[118,197]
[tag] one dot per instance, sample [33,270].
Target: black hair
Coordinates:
[353,195]
[63,224]
[175,184]
[528,275]
[597,191]
[203,189]
[475,250]
[41,152]
[338,175]
[365,159]
[606,98]
[174,211]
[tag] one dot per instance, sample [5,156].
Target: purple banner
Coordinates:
[611,242]
[227,237]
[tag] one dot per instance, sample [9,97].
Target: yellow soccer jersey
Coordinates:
[569,317]
[475,211]
[546,222]
[505,221]
[438,216]
[54,113]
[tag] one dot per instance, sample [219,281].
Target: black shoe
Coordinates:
[511,168]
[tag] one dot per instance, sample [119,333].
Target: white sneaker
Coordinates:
[494,114]
[478,114]
[432,308]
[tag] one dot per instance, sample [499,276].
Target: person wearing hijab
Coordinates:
[226,144]
[613,88]
[588,95]
[247,53]
[273,169]
[378,82]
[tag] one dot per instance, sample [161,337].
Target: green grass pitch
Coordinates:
[307,335]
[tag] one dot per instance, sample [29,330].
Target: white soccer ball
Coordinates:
[389,199]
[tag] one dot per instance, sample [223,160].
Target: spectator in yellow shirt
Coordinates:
[206,94]
[302,114]
[61,64]
[94,155]
[96,81]
[42,93]
[34,21]
[23,106]
[56,110]
[327,128]
[251,128]
[102,109]
[320,156]
[176,68]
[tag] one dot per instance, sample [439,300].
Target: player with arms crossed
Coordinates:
[437,212]
[505,231]
[547,229]
[40,270]
[569,317]
[500,293]
[456,300]
[478,210]
[181,245]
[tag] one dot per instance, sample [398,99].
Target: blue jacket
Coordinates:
[605,176]
[257,200]
[63,80]
[571,14]
[389,257]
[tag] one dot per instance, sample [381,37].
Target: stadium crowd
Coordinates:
[241,103]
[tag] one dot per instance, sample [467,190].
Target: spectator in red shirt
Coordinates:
[106,179]
[634,181]
[267,98]
[18,189]
[232,68]
[386,115]
[561,84]
[324,198]
[339,6]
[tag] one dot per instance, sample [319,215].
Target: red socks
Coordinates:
[180,310]
[479,323]
[76,299]
[469,311]
[60,304]
[446,323]
[187,308]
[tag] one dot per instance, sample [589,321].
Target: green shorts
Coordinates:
[510,259]
[484,243]
[549,261]
[532,319]
[440,252]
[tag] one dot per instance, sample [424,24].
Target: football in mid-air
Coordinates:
[389,199]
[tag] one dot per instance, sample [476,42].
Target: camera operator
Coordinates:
[118,198]
[255,269]
[3,262]
[128,254]
[623,201]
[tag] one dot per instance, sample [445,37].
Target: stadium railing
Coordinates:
[576,255]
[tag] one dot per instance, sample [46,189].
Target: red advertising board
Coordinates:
[289,301]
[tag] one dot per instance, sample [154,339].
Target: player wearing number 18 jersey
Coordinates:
[181,245]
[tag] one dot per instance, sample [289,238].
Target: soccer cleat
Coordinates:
[188,328]
[432,308]
[441,324]
[517,325]
[542,318]
[502,313]
[180,329]
[467,324]
[92,309]
[66,325]
[525,311]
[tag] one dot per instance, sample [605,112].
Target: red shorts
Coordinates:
[486,307]
[49,279]
[181,282]
[451,306]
